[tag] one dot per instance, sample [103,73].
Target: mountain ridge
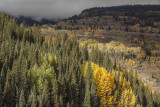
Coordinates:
[121,18]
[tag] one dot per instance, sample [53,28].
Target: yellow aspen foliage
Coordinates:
[123,58]
[141,55]
[81,44]
[147,58]
[112,73]
[142,43]
[128,85]
[136,28]
[128,71]
[138,105]
[149,29]
[157,46]
[123,84]
[53,30]
[89,29]
[135,40]
[55,58]
[104,84]
[128,99]
[50,59]
[134,75]
[123,70]
[120,81]
[131,62]
[152,59]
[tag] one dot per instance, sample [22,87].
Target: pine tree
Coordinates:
[56,101]
[54,88]
[68,105]
[85,53]
[44,95]
[94,99]
[7,92]
[61,85]
[32,99]
[107,62]
[81,90]
[89,72]
[61,101]
[22,99]
[74,89]
[2,22]
[140,95]
[0,93]
[148,97]
[87,98]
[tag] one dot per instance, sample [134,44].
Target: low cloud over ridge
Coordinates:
[58,9]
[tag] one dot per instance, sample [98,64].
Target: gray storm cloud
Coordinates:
[57,9]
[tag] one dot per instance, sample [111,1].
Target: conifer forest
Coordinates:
[66,70]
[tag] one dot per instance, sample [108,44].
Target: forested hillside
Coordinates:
[130,34]
[63,71]
[129,18]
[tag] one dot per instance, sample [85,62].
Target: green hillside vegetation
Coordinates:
[129,33]
[129,18]
[63,72]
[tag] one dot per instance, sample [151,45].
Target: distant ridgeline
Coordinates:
[127,10]
[31,21]
[118,18]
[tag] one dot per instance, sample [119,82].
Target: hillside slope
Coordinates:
[134,18]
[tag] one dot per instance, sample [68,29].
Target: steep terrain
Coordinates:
[133,26]
[45,67]
[135,18]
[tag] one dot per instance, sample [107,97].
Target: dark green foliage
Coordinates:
[22,101]
[94,98]
[87,98]
[36,72]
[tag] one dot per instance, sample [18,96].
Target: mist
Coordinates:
[59,9]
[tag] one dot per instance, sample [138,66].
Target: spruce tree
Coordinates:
[32,99]
[22,101]
[87,98]
[7,92]
[56,101]
[61,101]
[94,99]
[74,89]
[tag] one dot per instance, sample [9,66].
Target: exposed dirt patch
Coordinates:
[149,74]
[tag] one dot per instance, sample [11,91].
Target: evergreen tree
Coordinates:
[94,99]
[22,102]
[32,99]
[7,96]
[61,85]
[87,98]
[56,101]
[74,89]
[61,101]
[54,88]
[44,97]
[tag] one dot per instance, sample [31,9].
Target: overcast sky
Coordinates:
[54,9]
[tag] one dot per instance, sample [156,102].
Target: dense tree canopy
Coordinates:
[37,72]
